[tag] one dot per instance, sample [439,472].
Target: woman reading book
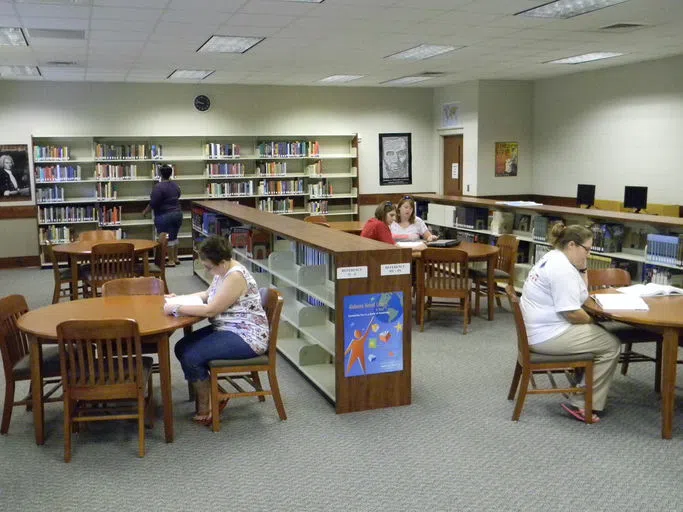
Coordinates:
[407,227]
[555,322]
[238,325]
[167,213]
[377,228]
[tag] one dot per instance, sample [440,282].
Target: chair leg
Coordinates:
[258,385]
[275,389]
[67,429]
[56,293]
[658,367]
[466,313]
[588,394]
[141,424]
[515,381]
[7,408]
[422,314]
[477,291]
[626,354]
[521,396]
[215,415]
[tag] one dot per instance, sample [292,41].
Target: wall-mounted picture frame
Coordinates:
[395,159]
[507,155]
[450,115]
[16,187]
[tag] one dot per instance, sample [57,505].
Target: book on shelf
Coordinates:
[607,237]
[258,244]
[184,300]
[502,222]
[522,223]
[620,301]
[650,290]
[663,249]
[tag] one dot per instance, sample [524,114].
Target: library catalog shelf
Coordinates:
[321,375]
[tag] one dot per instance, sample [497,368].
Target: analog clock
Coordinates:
[202,103]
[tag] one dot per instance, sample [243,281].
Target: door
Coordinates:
[452,165]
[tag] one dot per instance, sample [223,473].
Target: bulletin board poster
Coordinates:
[373,333]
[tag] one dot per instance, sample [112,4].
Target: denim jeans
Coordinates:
[169,223]
[206,344]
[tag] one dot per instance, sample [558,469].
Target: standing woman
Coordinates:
[377,228]
[167,213]
[408,227]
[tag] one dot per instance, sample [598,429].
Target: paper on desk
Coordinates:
[650,290]
[410,245]
[620,301]
[184,300]
[519,203]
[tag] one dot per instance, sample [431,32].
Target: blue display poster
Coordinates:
[373,333]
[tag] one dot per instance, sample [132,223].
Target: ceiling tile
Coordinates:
[52,11]
[125,14]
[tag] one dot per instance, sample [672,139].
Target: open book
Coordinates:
[650,290]
[184,300]
[620,301]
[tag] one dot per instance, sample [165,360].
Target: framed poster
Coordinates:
[506,158]
[450,115]
[15,175]
[373,333]
[395,159]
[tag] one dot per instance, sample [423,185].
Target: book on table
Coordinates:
[650,290]
[184,300]
[443,243]
[620,301]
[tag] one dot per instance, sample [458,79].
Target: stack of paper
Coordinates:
[184,300]
[411,245]
[620,301]
[650,290]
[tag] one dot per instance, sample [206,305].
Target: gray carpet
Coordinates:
[454,448]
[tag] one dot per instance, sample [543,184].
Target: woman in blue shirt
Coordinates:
[168,216]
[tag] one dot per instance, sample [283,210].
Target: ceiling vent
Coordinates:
[49,33]
[622,27]
[431,73]
[61,64]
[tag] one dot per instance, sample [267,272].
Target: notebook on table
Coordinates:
[443,243]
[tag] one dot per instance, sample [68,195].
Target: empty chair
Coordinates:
[317,219]
[443,273]
[62,276]
[247,369]
[15,359]
[503,271]
[529,363]
[98,235]
[101,363]
[158,268]
[108,261]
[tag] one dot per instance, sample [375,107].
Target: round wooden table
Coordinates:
[147,310]
[666,317]
[81,249]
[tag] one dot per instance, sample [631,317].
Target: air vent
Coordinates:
[432,73]
[48,33]
[622,27]
[62,63]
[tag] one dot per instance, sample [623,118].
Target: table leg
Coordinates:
[145,264]
[73,259]
[36,356]
[669,356]
[165,378]
[491,283]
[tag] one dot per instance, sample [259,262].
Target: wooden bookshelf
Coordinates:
[312,336]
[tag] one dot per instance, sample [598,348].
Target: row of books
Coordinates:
[54,234]
[542,226]
[217,150]
[322,188]
[49,194]
[68,214]
[664,249]
[281,187]
[230,188]
[50,153]
[272,168]
[111,215]
[657,275]
[470,217]
[318,207]
[225,169]
[57,173]
[607,237]
[276,205]
[105,191]
[123,152]
[108,171]
[289,149]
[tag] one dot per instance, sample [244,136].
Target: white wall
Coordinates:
[615,127]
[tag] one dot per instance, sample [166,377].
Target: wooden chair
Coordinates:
[443,273]
[158,268]
[15,359]
[101,363]
[529,363]
[97,235]
[317,219]
[247,369]
[504,271]
[627,335]
[108,261]
[62,276]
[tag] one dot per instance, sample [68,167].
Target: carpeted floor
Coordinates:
[454,448]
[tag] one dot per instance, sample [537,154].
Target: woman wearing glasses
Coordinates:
[556,324]
[408,227]
[377,228]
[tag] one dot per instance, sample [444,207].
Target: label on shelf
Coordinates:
[352,272]
[394,269]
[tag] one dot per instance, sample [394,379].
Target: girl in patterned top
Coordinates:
[238,325]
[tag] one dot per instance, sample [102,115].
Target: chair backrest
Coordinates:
[13,342]
[96,353]
[112,261]
[272,302]
[522,340]
[507,254]
[607,277]
[161,252]
[50,256]
[317,219]
[97,235]
[443,272]
[133,286]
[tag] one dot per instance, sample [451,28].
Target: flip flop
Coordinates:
[207,419]
[578,414]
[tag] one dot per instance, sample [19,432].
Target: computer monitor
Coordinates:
[585,194]
[635,197]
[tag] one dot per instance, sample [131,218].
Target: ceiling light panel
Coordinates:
[340,79]
[230,44]
[568,8]
[14,71]
[586,57]
[424,51]
[11,36]
[190,74]
[407,80]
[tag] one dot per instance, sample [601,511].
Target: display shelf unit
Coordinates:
[311,335]
[276,173]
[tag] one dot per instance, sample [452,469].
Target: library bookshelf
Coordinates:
[84,183]
[635,251]
[307,263]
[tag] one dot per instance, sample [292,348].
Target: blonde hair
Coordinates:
[561,235]
[409,200]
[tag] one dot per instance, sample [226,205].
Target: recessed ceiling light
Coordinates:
[10,36]
[230,44]
[424,51]
[190,74]
[19,71]
[568,8]
[586,57]
[407,80]
[339,79]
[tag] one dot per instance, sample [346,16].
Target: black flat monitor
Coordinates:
[635,197]
[585,194]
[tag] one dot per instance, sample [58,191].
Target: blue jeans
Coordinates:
[206,344]
[169,223]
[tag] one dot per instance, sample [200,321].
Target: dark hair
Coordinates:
[165,171]
[406,199]
[382,210]
[215,249]
[561,235]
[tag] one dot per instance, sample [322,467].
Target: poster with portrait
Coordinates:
[506,158]
[15,175]
[395,159]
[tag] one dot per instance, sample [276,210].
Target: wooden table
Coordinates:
[82,249]
[147,310]
[478,252]
[666,317]
[348,226]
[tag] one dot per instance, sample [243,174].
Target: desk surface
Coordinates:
[348,226]
[664,311]
[84,247]
[475,251]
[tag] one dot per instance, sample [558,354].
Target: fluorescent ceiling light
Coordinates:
[339,79]
[586,57]
[19,71]
[424,51]
[190,74]
[229,44]
[407,80]
[568,8]
[10,36]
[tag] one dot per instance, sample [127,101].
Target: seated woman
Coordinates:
[377,228]
[408,227]
[555,323]
[239,327]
